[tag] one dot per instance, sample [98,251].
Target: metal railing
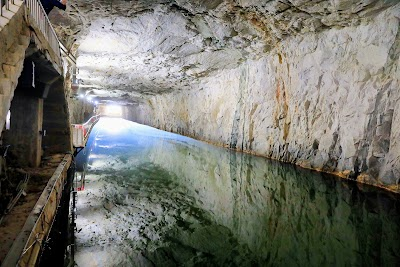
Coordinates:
[80,132]
[67,54]
[4,3]
[37,17]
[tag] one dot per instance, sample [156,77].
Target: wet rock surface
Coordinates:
[158,199]
[327,101]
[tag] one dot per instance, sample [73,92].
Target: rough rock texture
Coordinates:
[14,40]
[328,101]
[315,83]
[80,111]
[132,49]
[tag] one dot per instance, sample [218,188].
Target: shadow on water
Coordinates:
[160,199]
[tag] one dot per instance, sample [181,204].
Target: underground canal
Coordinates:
[153,198]
[313,83]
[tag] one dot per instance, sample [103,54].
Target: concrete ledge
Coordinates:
[27,246]
[3,22]
[13,8]
[8,14]
[18,2]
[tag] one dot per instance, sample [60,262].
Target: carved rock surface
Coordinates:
[315,83]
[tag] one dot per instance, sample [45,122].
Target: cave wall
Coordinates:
[328,101]
[80,110]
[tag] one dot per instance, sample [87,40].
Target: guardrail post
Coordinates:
[38,19]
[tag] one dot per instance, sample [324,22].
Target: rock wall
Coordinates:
[328,101]
[79,110]
[14,40]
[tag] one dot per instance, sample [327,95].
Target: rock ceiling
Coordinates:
[128,50]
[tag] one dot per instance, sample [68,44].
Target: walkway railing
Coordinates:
[38,19]
[80,132]
[3,3]
[7,7]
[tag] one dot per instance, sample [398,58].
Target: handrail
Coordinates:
[5,3]
[37,13]
[81,132]
[67,54]
[38,17]
[89,123]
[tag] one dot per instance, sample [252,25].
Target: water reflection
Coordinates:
[155,198]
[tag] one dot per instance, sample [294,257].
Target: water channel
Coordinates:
[154,198]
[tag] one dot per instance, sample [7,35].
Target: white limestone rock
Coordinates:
[316,84]
[328,102]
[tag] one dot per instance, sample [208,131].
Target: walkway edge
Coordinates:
[27,246]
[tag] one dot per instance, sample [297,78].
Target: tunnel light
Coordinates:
[81,96]
[113,110]
[114,126]
[96,102]
[89,98]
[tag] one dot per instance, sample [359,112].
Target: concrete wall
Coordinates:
[24,134]
[328,101]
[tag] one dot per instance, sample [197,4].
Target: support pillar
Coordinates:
[24,135]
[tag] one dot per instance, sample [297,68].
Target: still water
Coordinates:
[154,198]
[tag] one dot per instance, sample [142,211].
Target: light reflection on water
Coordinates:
[156,198]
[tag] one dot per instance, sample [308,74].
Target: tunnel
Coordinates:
[200,133]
